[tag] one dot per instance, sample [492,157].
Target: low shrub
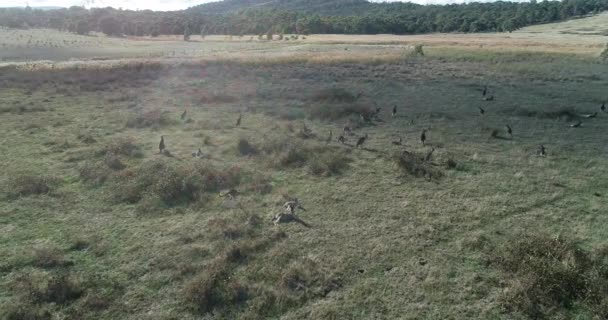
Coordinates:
[328,162]
[26,185]
[245,148]
[148,119]
[175,183]
[48,257]
[58,287]
[321,160]
[416,165]
[86,138]
[113,161]
[212,288]
[211,98]
[564,114]
[121,146]
[24,311]
[334,95]
[337,110]
[94,173]
[549,276]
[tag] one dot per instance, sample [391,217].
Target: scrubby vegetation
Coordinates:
[28,184]
[174,183]
[551,276]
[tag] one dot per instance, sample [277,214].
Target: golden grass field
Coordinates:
[95,223]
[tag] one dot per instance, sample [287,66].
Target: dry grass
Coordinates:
[548,275]
[149,237]
[27,185]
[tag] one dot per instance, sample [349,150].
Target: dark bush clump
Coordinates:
[113,161]
[549,275]
[334,95]
[337,111]
[245,148]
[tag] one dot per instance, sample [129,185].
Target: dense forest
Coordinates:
[238,17]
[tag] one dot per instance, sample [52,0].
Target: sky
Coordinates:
[158,5]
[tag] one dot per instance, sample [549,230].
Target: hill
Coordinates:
[593,25]
[261,17]
[330,7]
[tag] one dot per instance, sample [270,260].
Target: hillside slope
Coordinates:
[322,7]
[593,25]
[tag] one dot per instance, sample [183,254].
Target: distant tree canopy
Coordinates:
[238,17]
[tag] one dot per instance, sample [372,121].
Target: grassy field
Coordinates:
[584,37]
[96,224]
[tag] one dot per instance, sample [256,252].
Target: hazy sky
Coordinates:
[147,4]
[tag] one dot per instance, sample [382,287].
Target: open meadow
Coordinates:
[96,223]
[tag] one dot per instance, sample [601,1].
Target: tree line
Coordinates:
[393,18]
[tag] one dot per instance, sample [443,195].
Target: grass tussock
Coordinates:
[416,165]
[213,98]
[149,119]
[27,185]
[24,311]
[173,183]
[328,163]
[86,138]
[549,276]
[213,288]
[320,160]
[245,148]
[306,277]
[563,114]
[338,110]
[604,54]
[49,257]
[122,146]
[334,95]
[93,173]
[58,287]
[21,109]
[113,162]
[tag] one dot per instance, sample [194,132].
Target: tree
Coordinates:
[187,33]
[110,26]
[83,27]
[203,32]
